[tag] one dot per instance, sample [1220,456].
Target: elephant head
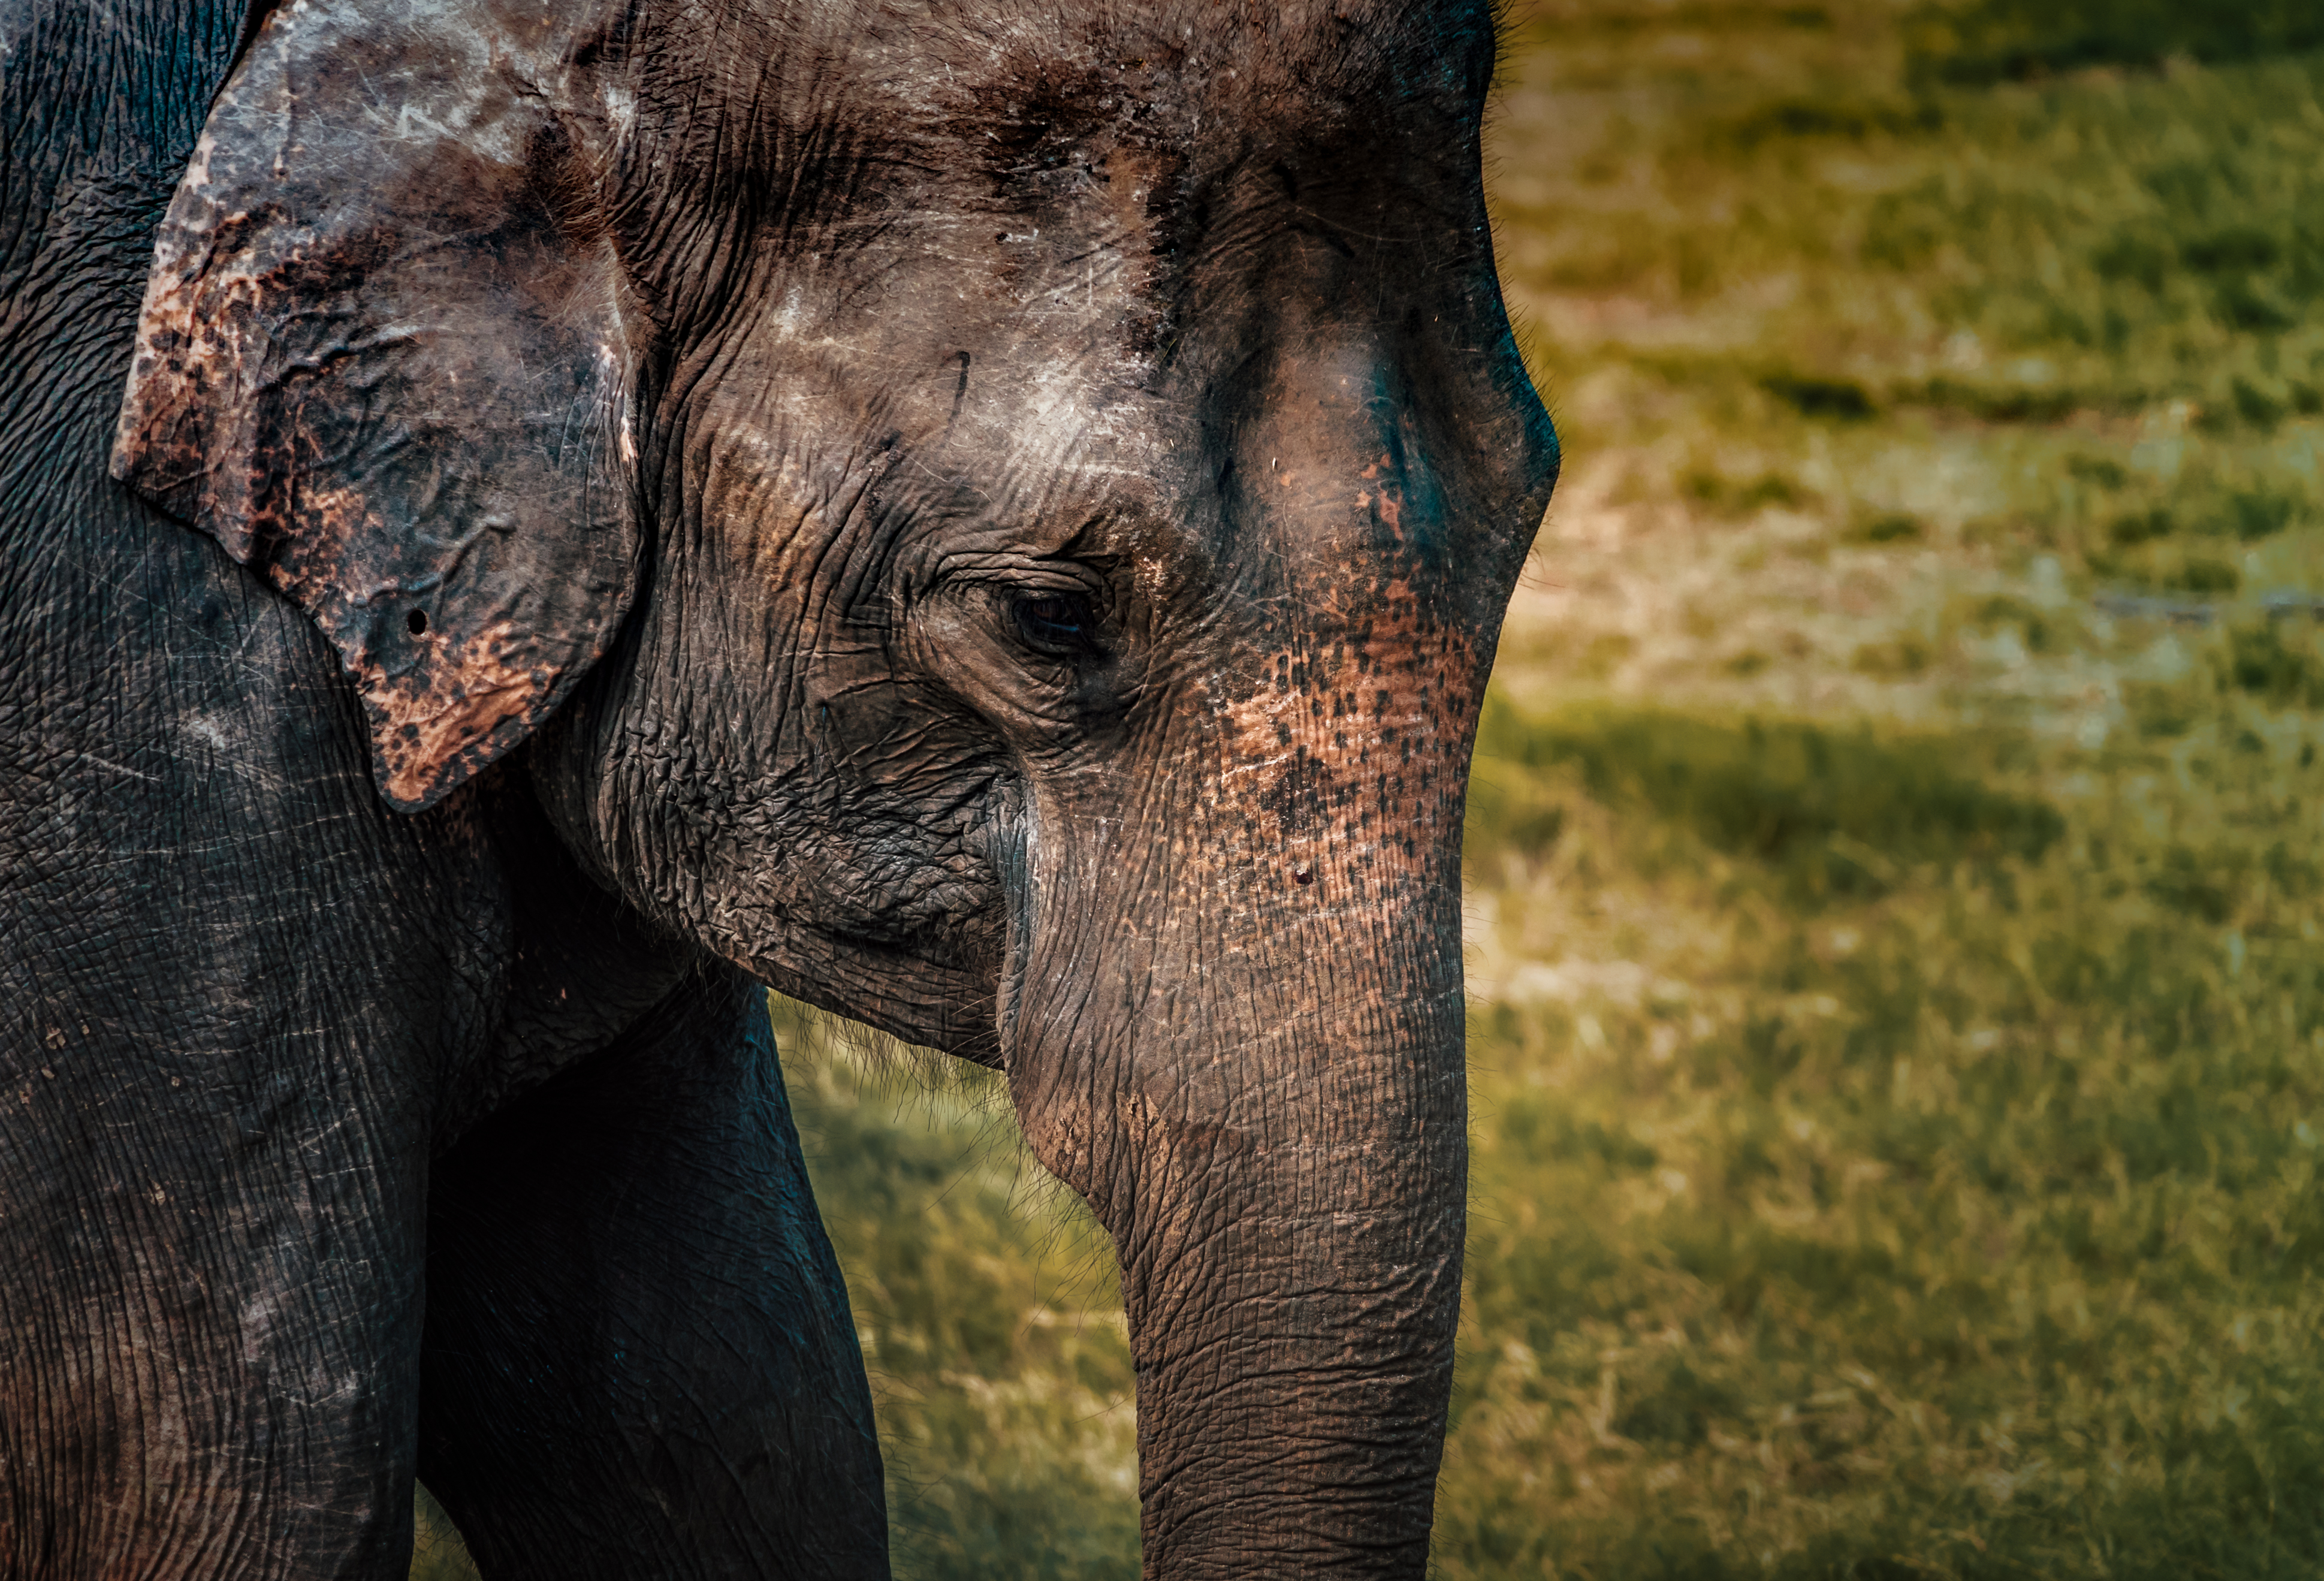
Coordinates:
[994,518]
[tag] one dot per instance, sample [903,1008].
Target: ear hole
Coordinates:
[418,623]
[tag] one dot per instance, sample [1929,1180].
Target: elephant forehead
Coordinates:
[1020,75]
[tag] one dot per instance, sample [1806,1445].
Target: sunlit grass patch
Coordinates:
[438,1554]
[1968,1227]
[986,1301]
[2120,253]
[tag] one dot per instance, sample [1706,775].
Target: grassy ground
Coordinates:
[1898,1003]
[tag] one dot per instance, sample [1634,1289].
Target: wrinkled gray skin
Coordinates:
[991,518]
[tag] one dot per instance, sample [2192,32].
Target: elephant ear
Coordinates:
[383,360]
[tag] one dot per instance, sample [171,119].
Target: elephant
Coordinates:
[528,527]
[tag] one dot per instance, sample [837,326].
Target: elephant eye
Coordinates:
[1062,626]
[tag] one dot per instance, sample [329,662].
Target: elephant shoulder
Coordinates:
[100,107]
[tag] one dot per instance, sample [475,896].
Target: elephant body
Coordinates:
[523,530]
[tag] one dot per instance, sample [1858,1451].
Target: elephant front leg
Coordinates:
[210,1312]
[639,1356]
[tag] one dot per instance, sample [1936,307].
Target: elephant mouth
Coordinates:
[907,988]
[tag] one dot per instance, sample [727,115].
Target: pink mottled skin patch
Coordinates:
[443,712]
[1367,736]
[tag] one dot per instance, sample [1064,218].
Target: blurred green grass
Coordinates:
[1898,838]
[989,1310]
[1963,1225]
[1993,39]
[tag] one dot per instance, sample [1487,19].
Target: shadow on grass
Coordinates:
[1993,40]
[1838,812]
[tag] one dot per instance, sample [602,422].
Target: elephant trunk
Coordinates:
[1235,1022]
[1292,1309]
